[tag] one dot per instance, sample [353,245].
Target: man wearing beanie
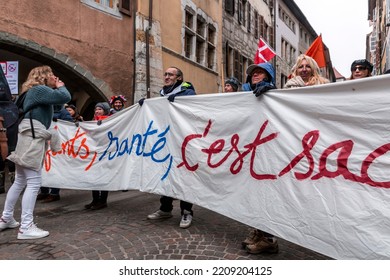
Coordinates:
[99,198]
[102,111]
[231,85]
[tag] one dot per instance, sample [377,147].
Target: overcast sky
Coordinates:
[343,25]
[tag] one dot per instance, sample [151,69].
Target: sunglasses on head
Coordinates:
[359,68]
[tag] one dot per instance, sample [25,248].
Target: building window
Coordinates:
[241,11]
[256,25]
[236,64]
[189,20]
[200,47]
[211,53]
[108,3]
[286,19]
[210,57]
[263,28]
[249,21]
[199,51]
[199,39]
[188,38]
[200,27]
[110,7]
[229,7]
[288,52]
[211,34]
[189,34]
[124,7]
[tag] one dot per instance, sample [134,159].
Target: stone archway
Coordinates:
[86,89]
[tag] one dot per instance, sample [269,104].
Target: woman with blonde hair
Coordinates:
[305,72]
[43,90]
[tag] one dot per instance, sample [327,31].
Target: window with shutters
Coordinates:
[124,7]
[256,25]
[241,11]
[249,18]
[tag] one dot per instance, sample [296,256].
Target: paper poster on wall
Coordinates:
[11,72]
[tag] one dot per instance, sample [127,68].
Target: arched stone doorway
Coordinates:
[86,90]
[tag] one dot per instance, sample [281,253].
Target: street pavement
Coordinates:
[122,232]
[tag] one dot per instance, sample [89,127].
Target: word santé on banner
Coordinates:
[116,148]
[124,147]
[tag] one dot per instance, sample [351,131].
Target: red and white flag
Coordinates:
[264,52]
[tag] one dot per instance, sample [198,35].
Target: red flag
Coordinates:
[264,52]
[316,51]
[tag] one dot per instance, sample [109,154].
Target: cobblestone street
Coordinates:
[122,232]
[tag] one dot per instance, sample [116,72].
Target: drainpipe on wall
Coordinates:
[135,49]
[150,19]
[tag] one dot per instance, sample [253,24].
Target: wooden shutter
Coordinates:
[124,7]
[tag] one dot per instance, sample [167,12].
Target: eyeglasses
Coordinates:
[169,74]
[359,68]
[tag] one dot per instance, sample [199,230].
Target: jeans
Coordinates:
[27,179]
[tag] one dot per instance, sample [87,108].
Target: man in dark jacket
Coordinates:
[174,85]
[8,130]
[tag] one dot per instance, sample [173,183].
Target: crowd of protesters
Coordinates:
[47,99]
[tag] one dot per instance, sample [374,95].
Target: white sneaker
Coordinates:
[10,224]
[158,215]
[186,220]
[33,232]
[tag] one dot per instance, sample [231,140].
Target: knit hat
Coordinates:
[104,106]
[362,62]
[233,82]
[118,97]
[71,106]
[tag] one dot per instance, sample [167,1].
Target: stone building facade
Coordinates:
[87,43]
[181,33]
[106,47]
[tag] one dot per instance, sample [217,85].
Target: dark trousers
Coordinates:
[12,139]
[167,205]
[52,191]
[100,196]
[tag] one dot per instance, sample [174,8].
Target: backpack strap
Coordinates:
[32,127]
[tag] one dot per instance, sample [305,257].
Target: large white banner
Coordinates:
[310,165]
